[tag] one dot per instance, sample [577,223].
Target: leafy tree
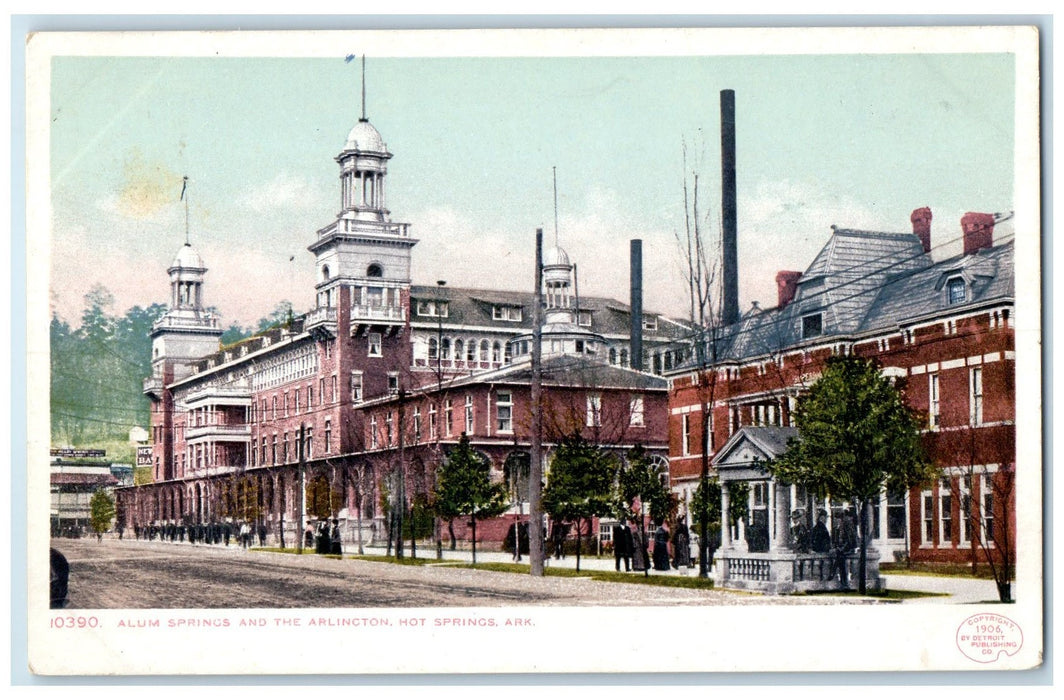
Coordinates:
[101,512]
[579,484]
[322,499]
[464,487]
[856,436]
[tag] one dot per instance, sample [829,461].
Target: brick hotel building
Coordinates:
[234,419]
[942,327]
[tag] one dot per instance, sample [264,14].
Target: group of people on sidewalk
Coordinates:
[323,538]
[203,533]
[667,550]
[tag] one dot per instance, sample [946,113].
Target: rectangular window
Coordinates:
[506,313]
[274,456]
[310,397]
[986,511]
[635,411]
[812,325]
[932,401]
[427,307]
[321,391]
[284,450]
[469,425]
[965,483]
[286,404]
[417,424]
[373,345]
[296,399]
[896,516]
[448,416]
[373,432]
[650,323]
[504,412]
[976,395]
[945,514]
[328,436]
[594,410]
[309,442]
[274,406]
[393,383]
[356,386]
[433,428]
[585,319]
[389,433]
[955,290]
[335,392]
[685,434]
[927,506]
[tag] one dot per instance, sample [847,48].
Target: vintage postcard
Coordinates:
[510,351]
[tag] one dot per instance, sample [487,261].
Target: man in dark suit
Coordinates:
[622,545]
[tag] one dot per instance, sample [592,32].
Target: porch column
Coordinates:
[725,525]
[780,534]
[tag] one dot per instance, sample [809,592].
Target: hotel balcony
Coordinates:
[218,433]
[322,320]
[153,386]
[236,394]
[366,315]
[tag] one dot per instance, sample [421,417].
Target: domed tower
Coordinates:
[362,256]
[561,335]
[187,331]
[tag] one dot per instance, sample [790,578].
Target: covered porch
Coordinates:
[766,550]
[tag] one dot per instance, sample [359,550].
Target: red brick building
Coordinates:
[942,327]
[229,425]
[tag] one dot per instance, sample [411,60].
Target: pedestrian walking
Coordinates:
[622,545]
[681,545]
[262,534]
[335,545]
[639,551]
[845,544]
[661,547]
[245,535]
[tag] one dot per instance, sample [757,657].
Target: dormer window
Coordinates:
[584,318]
[956,291]
[650,323]
[427,307]
[812,325]
[506,313]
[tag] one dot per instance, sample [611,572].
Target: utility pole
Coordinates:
[401,510]
[439,393]
[535,470]
[302,487]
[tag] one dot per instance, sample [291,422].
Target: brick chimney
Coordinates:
[921,219]
[787,286]
[978,231]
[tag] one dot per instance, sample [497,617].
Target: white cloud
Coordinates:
[283,192]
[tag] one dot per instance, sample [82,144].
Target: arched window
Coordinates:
[459,349]
[445,349]
[496,352]
[324,272]
[624,358]
[613,356]
[374,270]
[434,349]
[471,351]
[484,350]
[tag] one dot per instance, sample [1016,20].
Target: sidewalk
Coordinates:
[958,589]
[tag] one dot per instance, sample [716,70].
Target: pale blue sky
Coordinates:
[853,140]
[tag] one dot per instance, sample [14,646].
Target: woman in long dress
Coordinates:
[639,551]
[661,548]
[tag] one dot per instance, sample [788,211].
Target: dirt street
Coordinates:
[139,574]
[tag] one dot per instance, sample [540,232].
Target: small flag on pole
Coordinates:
[184,184]
[349,57]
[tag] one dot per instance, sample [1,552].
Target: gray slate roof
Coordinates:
[864,282]
[474,307]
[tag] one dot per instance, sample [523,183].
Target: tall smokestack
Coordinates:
[636,348]
[730,263]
